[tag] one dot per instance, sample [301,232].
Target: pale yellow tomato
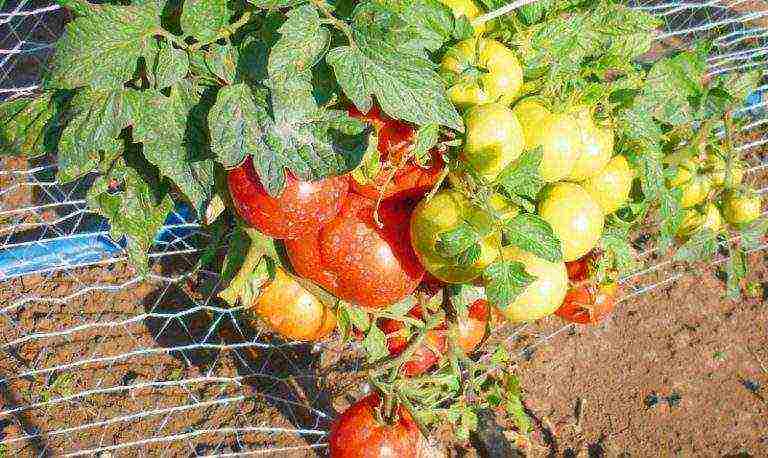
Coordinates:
[544,295]
[611,187]
[574,216]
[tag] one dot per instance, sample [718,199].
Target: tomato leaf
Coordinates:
[176,140]
[135,213]
[203,19]
[522,178]
[532,234]
[504,281]
[405,85]
[101,48]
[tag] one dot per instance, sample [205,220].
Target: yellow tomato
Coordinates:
[574,216]
[611,187]
[494,139]
[444,212]
[542,297]
[484,71]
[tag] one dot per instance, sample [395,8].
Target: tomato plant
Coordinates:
[362,432]
[300,208]
[358,260]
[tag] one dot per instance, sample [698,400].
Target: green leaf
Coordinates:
[101,48]
[30,126]
[406,86]
[134,213]
[375,344]
[522,178]
[532,234]
[425,139]
[97,119]
[302,44]
[204,19]
[504,281]
[174,133]
[166,65]
[237,121]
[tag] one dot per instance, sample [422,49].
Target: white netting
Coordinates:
[92,359]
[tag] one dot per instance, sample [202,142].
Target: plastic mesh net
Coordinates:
[96,360]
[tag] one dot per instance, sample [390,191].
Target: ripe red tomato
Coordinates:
[357,260]
[302,207]
[588,303]
[396,180]
[357,433]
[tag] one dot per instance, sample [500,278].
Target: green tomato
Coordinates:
[444,212]
[721,176]
[610,188]
[466,8]
[531,114]
[542,297]
[559,137]
[484,71]
[574,216]
[597,147]
[741,209]
[494,139]
[694,220]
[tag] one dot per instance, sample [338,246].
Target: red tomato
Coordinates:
[409,180]
[303,206]
[587,303]
[358,434]
[358,261]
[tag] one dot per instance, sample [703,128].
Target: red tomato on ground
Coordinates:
[302,207]
[588,303]
[395,179]
[358,261]
[358,434]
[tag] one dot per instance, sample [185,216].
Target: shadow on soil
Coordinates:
[280,376]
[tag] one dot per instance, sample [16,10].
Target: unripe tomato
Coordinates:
[741,209]
[292,311]
[396,180]
[718,171]
[466,8]
[542,297]
[358,433]
[532,114]
[484,71]
[574,216]
[302,207]
[597,147]
[494,139]
[611,186]
[560,138]
[694,220]
[444,212]
[587,303]
[358,261]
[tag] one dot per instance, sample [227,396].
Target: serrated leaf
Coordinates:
[166,65]
[532,234]
[375,344]
[134,213]
[302,43]
[174,133]
[29,126]
[203,19]
[97,119]
[504,281]
[522,177]
[406,86]
[101,48]
[237,121]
